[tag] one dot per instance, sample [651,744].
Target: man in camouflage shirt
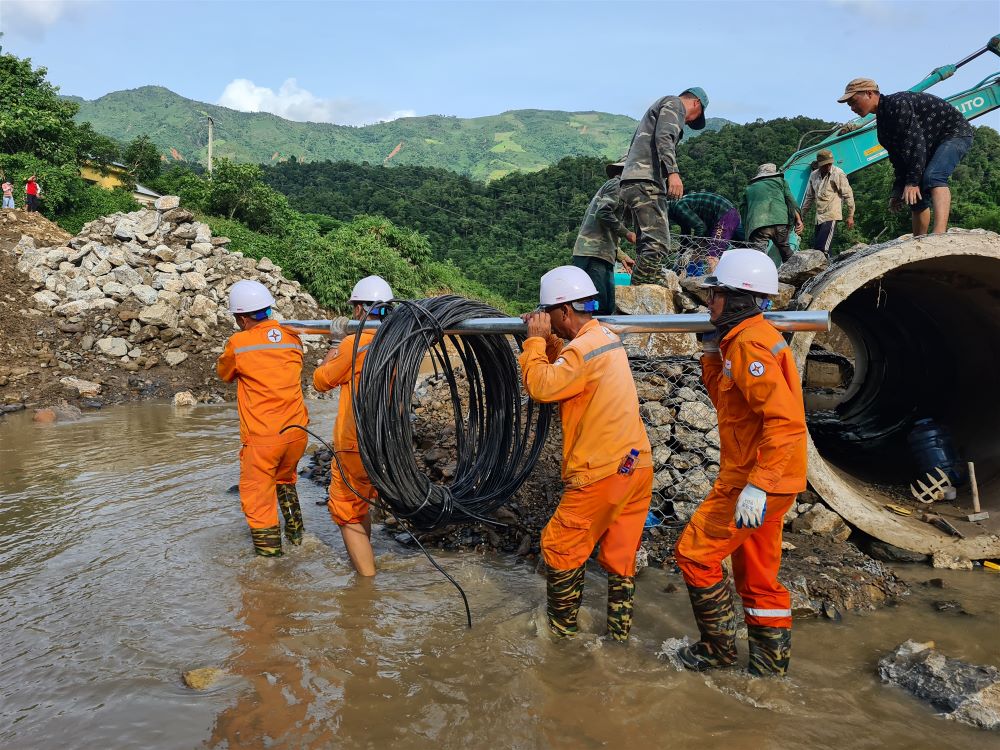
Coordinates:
[596,247]
[925,137]
[651,173]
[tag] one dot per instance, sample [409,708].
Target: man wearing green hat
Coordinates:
[604,225]
[650,175]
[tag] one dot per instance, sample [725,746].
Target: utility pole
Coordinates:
[211,125]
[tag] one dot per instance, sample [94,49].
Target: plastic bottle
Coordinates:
[629,462]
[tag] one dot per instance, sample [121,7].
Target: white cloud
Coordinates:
[32,18]
[293,102]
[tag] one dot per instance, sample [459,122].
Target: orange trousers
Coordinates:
[262,469]
[610,512]
[711,536]
[345,506]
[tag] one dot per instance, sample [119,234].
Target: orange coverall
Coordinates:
[591,380]
[762,435]
[345,506]
[266,362]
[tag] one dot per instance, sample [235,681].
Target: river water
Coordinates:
[125,561]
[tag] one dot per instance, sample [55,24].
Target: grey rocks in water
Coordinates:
[968,693]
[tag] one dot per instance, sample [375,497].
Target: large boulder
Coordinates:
[821,521]
[112,346]
[82,388]
[654,299]
[166,202]
[159,314]
[802,266]
[964,692]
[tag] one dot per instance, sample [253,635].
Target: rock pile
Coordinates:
[148,287]
[968,693]
[683,432]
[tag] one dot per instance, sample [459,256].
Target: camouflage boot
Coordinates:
[716,618]
[770,650]
[288,501]
[267,542]
[621,592]
[564,589]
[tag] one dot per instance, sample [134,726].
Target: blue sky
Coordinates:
[360,62]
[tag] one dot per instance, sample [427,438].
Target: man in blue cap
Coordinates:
[650,175]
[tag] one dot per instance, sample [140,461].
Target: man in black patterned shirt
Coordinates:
[925,137]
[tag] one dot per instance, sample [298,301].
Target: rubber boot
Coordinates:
[770,650]
[288,501]
[621,592]
[564,589]
[716,618]
[267,542]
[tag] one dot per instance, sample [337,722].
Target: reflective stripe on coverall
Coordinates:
[762,434]
[345,506]
[266,362]
[591,380]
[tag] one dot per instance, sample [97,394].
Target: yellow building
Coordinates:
[115,175]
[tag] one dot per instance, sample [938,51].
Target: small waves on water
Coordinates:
[125,561]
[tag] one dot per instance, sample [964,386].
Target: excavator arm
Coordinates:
[855,145]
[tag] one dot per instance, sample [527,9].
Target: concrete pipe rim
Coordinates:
[856,501]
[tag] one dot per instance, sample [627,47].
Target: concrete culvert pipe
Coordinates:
[916,334]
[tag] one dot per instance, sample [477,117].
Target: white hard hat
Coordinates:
[565,284]
[249,296]
[371,289]
[746,269]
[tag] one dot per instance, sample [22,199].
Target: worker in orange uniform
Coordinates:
[265,360]
[350,488]
[607,466]
[751,378]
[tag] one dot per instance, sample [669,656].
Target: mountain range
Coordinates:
[483,148]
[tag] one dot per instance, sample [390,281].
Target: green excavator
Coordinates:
[855,145]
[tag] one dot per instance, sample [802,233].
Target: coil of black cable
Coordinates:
[499,434]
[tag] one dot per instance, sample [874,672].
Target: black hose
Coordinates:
[384,509]
[499,435]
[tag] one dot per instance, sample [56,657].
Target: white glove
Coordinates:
[750,507]
[338,329]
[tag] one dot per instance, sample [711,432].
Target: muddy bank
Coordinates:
[131,308]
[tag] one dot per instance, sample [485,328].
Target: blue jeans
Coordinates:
[942,163]
[8,202]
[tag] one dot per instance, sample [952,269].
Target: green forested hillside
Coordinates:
[483,147]
[506,233]
[39,136]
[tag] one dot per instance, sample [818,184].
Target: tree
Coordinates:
[33,119]
[142,158]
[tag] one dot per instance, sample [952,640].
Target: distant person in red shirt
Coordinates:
[32,191]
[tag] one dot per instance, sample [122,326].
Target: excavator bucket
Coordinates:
[937,487]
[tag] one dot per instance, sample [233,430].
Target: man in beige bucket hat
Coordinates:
[925,138]
[828,188]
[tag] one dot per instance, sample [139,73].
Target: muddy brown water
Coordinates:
[124,562]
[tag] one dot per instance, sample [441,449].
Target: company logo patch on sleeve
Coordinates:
[756,368]
[274,335]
